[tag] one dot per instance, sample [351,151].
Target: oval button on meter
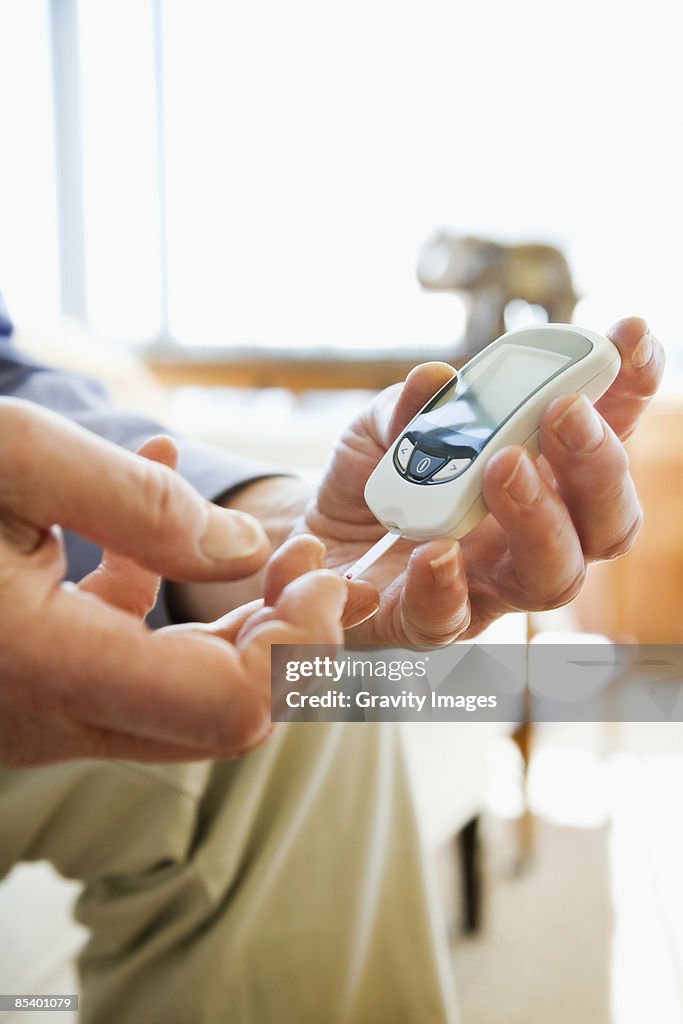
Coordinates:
[423,465]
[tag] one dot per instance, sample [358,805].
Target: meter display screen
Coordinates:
[488,391]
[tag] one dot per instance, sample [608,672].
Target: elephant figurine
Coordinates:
[493,274]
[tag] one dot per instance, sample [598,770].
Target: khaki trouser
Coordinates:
[287,887]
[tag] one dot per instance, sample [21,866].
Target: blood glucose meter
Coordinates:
[429,483]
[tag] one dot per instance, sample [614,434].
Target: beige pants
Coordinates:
[287,887]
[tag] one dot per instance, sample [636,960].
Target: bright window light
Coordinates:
[311,148]
[29,271]
[121,202]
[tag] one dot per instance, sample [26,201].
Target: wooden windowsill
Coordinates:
[295,375]
[297,370]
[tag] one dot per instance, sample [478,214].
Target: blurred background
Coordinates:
[250,217]
[255,176]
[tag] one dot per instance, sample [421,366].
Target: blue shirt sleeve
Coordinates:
[6,326]
[214,473]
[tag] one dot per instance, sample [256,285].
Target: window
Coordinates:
[306,150]
[29,267]
[120,167]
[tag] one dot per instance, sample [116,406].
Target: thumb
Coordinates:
[421,384]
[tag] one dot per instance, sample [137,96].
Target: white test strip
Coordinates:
[371,556]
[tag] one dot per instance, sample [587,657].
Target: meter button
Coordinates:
[423,465]
[403,453]
[451,469]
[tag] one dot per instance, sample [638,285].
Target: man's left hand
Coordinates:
[547,520]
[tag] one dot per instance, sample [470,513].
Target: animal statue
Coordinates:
[492,274]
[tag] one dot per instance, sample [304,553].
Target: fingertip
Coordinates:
[446,568]
[420,385]
[428,374]
[298,555]
[335,593]
[626,332]
[334,586]
[362,602]
[230,536]
[643,361]
[435,606]
[313,598]
[556,409]
[640,350]
[326,584]
[160,448]
[513,485]
[305,546]
[500,468]
[439,562]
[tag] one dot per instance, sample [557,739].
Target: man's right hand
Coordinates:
[80,673]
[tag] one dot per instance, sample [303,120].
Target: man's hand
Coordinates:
[80,674]
[546,521]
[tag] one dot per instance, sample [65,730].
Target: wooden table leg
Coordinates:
[470,873]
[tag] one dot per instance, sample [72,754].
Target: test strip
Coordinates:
[371,556]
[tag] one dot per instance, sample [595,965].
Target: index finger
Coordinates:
[53,471]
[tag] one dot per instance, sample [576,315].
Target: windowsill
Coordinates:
[297,368]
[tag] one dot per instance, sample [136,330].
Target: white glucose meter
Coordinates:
[429,483]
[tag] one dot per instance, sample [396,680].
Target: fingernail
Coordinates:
[320,553]
[446,568]
[316,551]
[642,353]
[229,535]
[524,484]
[579,428]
